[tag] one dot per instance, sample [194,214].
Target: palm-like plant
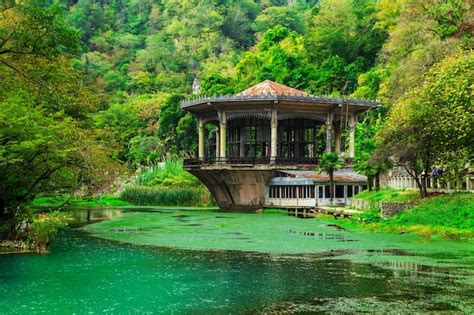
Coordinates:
[329,163]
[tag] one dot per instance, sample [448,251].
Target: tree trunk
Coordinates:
[377,181]
[420,186]
[369,183]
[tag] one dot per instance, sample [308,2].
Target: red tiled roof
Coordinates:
[268,87]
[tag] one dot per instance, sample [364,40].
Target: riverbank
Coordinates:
[448,216]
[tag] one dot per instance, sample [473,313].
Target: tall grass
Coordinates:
[166,174]
[167,184]
[167,196]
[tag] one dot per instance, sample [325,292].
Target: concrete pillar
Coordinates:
[222,129]
[337,139]
[218,144]
[316,194]
[345,194]
[329,131]
[201,139]
[468,183]
[274,136]
[352,124]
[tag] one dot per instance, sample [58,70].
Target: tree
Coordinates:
[330,162]
[434,122]
[47,144]
[366,161]
[342,40]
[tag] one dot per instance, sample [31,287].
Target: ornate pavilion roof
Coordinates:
[268,93]
[268,87]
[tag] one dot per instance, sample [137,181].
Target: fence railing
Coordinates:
[250,161]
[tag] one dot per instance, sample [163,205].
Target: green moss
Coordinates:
[270,211]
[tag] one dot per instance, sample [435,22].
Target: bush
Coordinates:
[167,196]
[166,174]
[44,228]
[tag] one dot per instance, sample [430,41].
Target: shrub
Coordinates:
[44,228]
[167,173]
[167,196]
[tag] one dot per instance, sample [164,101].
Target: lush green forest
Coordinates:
[90,89]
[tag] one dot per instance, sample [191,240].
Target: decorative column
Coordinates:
[352,124]
[218,144]
[329,131]
[201,139]
[273,136]
[222,131]
[337,140]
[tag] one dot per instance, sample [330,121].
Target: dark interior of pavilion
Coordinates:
[299,139]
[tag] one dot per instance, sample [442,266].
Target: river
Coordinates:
[187,261]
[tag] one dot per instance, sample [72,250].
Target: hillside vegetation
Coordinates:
[90,90]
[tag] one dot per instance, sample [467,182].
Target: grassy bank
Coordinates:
[447,215]
[165,184]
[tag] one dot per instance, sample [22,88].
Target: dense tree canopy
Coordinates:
[98,83]
[47,140]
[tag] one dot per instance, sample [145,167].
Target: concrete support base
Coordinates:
[236,190]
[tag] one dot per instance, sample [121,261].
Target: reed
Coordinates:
[167,196]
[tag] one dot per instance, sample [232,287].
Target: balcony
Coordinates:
[250,161]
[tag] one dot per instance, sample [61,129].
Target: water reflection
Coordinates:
[82,271]
[92,215]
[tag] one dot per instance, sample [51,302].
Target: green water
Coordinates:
[170,261]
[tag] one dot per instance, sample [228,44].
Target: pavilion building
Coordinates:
[265,143]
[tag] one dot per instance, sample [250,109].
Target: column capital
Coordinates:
[329,119]
[222,117]
[352,120]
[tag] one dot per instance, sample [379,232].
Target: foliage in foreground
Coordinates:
[167,196]
[44,229]
[65,200]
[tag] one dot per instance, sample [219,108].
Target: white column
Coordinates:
[329,131]
[337,139]
[274,136]
[468,182]
[218,143]
[352,124]
[222,129]
[201,138]
[316,194]
[345,194]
